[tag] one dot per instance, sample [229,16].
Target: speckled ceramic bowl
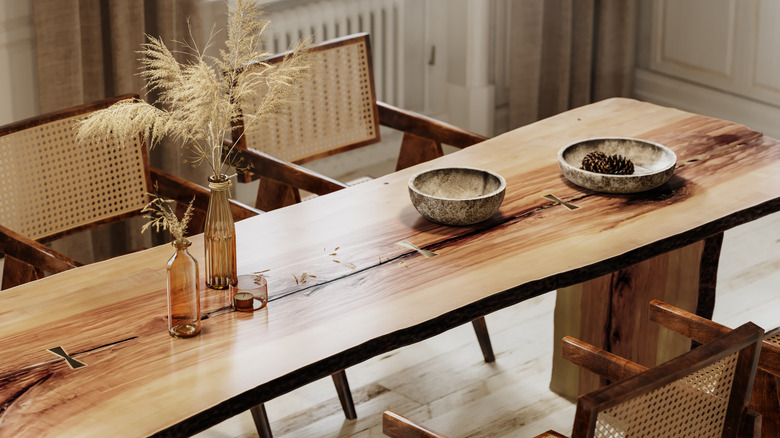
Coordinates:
[653,164]
[457,195]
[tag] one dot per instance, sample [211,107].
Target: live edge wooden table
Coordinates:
[363,294]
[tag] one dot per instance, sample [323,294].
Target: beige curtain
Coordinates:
[567,53]
[86,51]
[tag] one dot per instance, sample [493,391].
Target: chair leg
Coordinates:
[480,328]
[261,421]
[765,400]
[345,395]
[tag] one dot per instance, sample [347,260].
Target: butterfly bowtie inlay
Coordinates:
[72,363]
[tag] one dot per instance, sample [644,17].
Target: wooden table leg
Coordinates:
[610,312]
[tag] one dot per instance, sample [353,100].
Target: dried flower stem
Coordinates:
[162,216]
[199,103]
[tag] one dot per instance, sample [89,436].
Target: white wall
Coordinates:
[715,57]
[18,86]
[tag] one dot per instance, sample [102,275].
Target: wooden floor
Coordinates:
[444,383]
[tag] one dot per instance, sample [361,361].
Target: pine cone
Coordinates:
[600,162]
[620,165]
[593,161]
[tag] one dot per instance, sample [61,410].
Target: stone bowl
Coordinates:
[457,195]
[653,164]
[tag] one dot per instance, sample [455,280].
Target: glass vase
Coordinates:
[220,236]
[183,292]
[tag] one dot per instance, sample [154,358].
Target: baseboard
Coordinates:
[668,91]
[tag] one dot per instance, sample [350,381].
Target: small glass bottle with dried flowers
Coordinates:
[182,269]
[183,292]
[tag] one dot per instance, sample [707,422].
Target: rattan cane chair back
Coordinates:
[335,109]
[694,405]
[702,393]
[765,399]
[53,185]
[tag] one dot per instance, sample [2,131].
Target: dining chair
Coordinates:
[701,393]
[55,186]
[765,398]
[337,112]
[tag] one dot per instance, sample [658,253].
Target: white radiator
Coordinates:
[328,19]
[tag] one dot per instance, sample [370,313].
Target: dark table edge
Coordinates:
[449,320]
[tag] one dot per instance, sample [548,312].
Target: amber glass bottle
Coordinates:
[183,292]
[220,236]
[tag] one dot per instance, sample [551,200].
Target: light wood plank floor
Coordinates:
[443,382]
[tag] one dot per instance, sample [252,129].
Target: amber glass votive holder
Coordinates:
[250,293]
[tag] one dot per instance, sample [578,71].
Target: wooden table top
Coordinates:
[372,295]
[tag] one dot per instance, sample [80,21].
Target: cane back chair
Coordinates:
[54,186]
[702,393]
[765,399]
[337,111]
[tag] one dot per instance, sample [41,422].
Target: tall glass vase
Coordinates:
[183,292]
[220,236]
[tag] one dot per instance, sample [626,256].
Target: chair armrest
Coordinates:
[703,330]
[685,323]
[181,190]
[601,362]
[34,253]
[264,165]
[426,127]
[398,426]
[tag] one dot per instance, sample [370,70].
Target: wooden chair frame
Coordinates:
[633,379]
[27,259]
[765,398]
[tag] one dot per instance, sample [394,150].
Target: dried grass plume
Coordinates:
[200,99]
[162,216]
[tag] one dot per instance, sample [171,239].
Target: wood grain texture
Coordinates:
[426,127]
[601,362]
[614,310]
[442,382]
[379,296]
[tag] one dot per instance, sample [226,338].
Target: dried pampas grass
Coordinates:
[162,216]
[200,100]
